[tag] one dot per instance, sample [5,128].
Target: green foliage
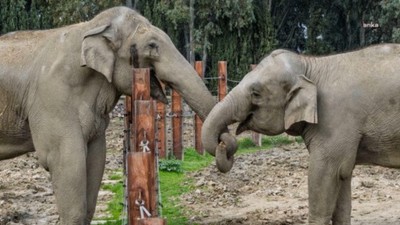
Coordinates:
[246,143]
[271,141]
[389,19]
[170,165]
[45,14]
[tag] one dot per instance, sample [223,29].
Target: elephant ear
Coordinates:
[301,104]
[97,50]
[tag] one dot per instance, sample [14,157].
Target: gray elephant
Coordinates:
[346,107]
[58,86]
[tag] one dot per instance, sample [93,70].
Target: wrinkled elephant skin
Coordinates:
[58,86]
[345,106]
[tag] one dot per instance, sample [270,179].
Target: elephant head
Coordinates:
[120,38]
[273,98]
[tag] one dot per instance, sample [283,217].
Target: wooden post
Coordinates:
[127,125]
[177,125]
[141,166]
[141,84]
[161,130]
[198,123]
[140,184]
[152,221]
[256,137]
[222,80]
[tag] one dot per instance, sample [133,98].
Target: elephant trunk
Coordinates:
[181,76]
[215,130]
[195,93]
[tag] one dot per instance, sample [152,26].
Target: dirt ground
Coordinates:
[267,187]
[270,187]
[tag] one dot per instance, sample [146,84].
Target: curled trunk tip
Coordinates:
[225,152]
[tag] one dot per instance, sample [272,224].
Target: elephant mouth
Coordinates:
[244,125]
[157,89]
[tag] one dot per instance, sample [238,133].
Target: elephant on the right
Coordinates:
[346,107]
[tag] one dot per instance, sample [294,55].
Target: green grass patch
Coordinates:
[273,141]
[171,184]
[245,143]
[116,176]
[194,161]
[115,206]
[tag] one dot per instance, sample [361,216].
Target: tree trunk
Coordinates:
[186,34]
[348,31]
[191,30]
[269,6]
[128,3]
[204,59]
[362,30]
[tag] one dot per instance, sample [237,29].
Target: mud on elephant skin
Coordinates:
[345,107]
[58,86]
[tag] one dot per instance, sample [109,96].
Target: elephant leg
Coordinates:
[68,175]
[323,191]
[342,213]
[96,158]
[65,159]
[330,170]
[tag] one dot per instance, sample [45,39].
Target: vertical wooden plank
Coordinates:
[256,137]
[128,110]
[127,126]
[144,129]
[143,124]
[141,84]
[152,221]
[177,125]
[222,81]
[161,137]
[198,123]
[141,159]
[140,91]
[139,182]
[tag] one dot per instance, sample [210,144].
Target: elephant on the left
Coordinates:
[58,86]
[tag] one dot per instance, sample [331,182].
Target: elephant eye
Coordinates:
[153,45]
[255,94]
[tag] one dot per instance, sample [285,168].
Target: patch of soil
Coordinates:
[270,187]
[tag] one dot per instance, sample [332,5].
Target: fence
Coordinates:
[145,141]
[173,120]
